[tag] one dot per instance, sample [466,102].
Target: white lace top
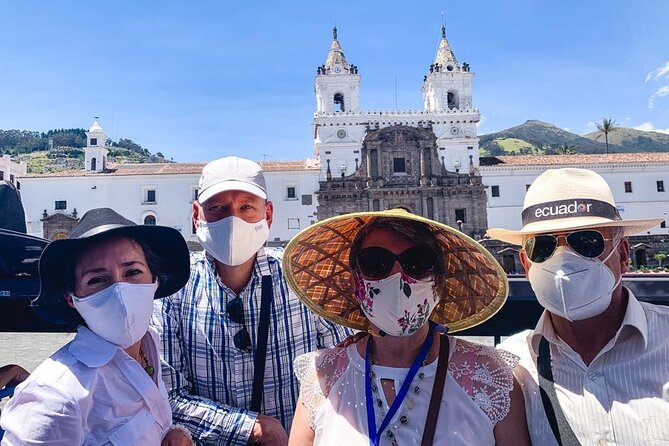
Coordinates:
[475,397]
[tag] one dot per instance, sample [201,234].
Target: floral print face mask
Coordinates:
[399,304]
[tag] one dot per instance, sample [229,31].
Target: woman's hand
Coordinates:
[177,437]
[12,374]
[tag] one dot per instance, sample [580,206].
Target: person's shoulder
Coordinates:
[517,344]
[59,373]
[486,354]
[660,311]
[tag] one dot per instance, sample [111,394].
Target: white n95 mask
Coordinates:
[572,286]
[231,240]
[120,313]
[398,305]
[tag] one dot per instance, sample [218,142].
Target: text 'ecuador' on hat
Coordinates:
[568,199]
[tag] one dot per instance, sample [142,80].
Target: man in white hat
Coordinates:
[231,334]
[594,368]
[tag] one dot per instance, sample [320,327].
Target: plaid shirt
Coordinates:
[208,379]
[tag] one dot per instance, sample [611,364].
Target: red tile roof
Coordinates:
[173,169]
[565,160]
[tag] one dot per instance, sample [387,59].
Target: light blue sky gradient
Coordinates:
[210,78]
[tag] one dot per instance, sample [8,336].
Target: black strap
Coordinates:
[437,391]
[559,425]
[261,344]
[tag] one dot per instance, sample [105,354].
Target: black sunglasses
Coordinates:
[588,243]
[235,311]
[376,263]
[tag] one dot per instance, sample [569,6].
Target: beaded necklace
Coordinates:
[148,368]
[407,391]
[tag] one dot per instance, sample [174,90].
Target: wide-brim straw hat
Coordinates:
[56,264]
[316,266]
[569,199]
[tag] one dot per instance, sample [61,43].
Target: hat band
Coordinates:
[579,207]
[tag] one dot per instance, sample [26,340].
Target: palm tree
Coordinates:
[566,149]
[607,125]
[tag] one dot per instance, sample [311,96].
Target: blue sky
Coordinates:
[207,79]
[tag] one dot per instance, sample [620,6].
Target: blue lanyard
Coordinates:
[374,435]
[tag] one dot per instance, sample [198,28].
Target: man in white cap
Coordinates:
[594,368]
[231,335]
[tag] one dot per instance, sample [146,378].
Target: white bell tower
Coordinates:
[448,85]
[337,82]
[95,153]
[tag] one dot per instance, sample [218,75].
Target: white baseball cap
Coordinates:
[231,173]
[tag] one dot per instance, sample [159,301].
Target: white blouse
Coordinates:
[475,397]
[90,392]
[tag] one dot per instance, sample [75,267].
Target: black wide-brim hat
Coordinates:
[56,264]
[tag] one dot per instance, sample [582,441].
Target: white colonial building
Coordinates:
[160,193]
[10,170]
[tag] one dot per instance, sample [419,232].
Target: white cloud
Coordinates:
[661,92]
[566,129]
[659,72]
[478,124]
[649,127]
[592,125]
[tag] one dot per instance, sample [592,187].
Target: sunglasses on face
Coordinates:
[376,263]
[235,310]
[587,243]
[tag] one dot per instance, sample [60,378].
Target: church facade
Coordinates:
[425,161]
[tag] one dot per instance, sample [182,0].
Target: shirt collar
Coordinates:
[90,349]
[634,317]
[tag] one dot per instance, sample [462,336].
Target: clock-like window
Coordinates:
[341,133]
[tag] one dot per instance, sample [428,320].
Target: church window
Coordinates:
[461,215]
[93,163]
[60,205]
[293,223]
[628,187]
[660,186]
[150,220]
[194,191]
[430,208]
[494,191]
[374,163]
[94,141]
[291,193]
[452,99]
[2,175]
[150,196]
[307,200]
[339,102]
[399,165]
[663,224]
[376,205]
[527,187]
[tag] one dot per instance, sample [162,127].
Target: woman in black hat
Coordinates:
[104,386]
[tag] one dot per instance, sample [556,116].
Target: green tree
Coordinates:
[607,126]
[660,256]
[566,149]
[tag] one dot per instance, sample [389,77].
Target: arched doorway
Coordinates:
[150,220]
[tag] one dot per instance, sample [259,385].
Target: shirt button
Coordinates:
[593,376]
[602,442]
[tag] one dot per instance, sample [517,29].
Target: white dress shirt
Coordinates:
[617,399]
[90,392]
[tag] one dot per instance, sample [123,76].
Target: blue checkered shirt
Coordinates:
[208,379]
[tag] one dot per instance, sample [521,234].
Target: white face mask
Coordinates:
[398,305]
[120,313]
[231,240]
[573,286]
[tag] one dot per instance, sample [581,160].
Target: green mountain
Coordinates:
[63,149]
[537,137]
[635,140]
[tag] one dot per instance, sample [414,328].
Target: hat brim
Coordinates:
[56,267]
[630,227]
[316,266]
[228,185]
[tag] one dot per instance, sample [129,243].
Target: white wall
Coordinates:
[9,168]
[174,195]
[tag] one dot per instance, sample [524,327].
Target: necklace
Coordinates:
[148,368]
[370,393]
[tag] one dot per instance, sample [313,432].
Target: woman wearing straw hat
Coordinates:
[401,278]
[105,386]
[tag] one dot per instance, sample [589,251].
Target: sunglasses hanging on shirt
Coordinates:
[235,311]
[587,243]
